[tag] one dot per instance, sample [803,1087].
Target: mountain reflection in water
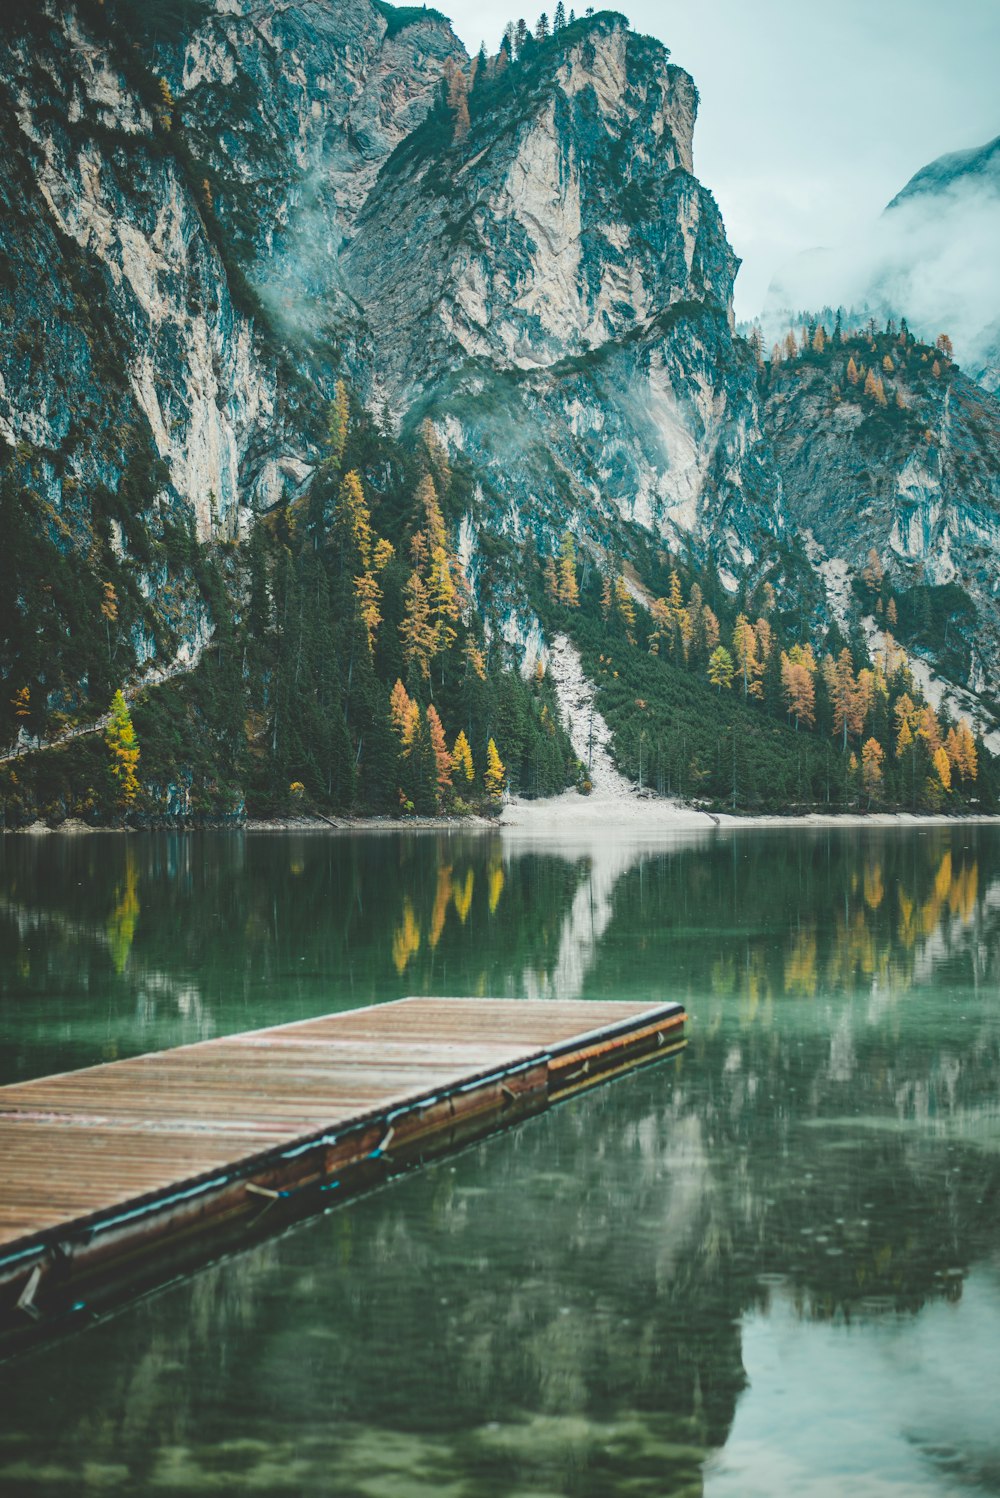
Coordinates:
[770,1266]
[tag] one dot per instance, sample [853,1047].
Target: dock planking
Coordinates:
[116,1176]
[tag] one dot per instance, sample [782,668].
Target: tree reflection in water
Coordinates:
[562,1310]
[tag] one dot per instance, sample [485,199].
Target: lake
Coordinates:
[770,1266]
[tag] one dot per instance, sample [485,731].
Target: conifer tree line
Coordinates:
[882,368]
[856,730]
[353,673]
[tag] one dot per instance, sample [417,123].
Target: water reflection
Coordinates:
[114,945]
[769,1266]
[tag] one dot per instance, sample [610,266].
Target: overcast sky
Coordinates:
[814,113]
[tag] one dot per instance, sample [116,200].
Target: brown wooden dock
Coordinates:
[113,1177]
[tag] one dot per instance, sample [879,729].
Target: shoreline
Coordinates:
[568,814]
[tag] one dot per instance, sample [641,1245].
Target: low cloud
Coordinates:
[933,257]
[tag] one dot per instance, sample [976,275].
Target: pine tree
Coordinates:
[124,749]
[494,776]
[520,36]
[559,18]
[462,759]
[542,27]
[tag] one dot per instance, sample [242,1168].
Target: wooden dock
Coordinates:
[116,1177]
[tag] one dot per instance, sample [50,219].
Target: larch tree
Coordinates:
[944,346]
[337,425]
[461,756]
[747,659]
[124,750]
[551,580]
[494,776]
[458,101]
[625,608]
[416,629]
[852,371]
[109,612]
[798,686]
[720,668]
[942,767]
[872,757]
[399,710]
[843,690]
[442,759]
[569,592]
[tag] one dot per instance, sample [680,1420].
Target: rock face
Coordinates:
[919,484]
[554,287]
[214,208]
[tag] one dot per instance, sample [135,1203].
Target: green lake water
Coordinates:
[768,1267]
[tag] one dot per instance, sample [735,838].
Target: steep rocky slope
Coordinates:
[916,477]
[554,287]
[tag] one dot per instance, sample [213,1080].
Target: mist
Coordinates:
[932,257]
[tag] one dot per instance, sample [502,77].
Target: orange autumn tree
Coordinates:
[442,759]
[798,670]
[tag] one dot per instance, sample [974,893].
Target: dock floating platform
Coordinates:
[116,1177]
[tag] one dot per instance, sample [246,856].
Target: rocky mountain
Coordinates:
[913,472]
[221,217]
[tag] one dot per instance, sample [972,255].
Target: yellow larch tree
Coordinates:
[720,668]
[872,757]
[494,776]
[124,749]
[569,593]
[461,756]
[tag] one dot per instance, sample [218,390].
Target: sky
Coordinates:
[814,113]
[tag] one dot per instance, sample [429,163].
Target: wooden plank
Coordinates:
[110,1170]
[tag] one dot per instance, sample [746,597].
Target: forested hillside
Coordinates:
[339,370]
